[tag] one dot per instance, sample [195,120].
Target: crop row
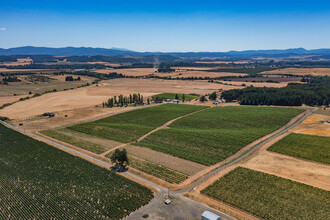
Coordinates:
[38,181]
[95,148]
[308,147]
[270,197]
[129,126]
[210,136]
[164,173]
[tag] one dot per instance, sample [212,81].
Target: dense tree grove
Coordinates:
[5,80]
[315,92]
[213,96]
[70,78]
[135,99]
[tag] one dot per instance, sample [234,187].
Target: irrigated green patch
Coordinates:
[188,97]
[129,126]
[210,136]
[38,181]
[164,173]
[95,148]
[308,147]
[270,197]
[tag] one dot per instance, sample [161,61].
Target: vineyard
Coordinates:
[304,146]
[188,97]
[95,148]
[38,181]
[210,136]
[164,173]
[270,197]
[129,126]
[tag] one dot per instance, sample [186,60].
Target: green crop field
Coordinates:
[188,97]
[210,136]
[270,197]
[310,147]
[129,126]
[164,173]
[95,148]
[38,181]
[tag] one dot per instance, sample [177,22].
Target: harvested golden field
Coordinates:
[301,71]
[10,99]
[94,95]
[179,72]
[259,84]
[40,83]
[130,71]
[4,70]
[314,125]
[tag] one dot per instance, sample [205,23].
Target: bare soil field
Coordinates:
[94,95]
[27,85]
[257,84]
[301,71]
[314,125]
[130,71]
[323,111]
[179,72]
[166,160]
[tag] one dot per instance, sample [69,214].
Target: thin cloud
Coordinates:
[3,29]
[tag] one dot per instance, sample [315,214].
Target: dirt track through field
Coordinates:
[164,126]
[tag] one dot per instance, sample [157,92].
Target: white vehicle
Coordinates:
[167,201]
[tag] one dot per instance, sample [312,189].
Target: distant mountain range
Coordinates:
[89,51]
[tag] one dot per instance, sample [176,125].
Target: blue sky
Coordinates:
[166,25]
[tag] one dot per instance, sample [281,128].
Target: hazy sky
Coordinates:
[166,25]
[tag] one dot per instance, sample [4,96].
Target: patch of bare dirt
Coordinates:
[314,125]
[301,71]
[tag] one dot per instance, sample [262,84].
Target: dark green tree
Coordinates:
[213,96]
[120,158]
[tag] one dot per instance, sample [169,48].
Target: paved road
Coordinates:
[161,191]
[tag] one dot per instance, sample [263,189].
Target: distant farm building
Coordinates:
[175,100]
[210,216]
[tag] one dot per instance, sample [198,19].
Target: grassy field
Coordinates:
[38,181]
[210,136]
[95,148]
[305,146]
[270,197]
[129,126]
[188,97]
[161,172]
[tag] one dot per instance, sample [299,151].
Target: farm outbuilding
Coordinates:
[210,216]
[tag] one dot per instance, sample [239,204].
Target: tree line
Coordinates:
[121,100]
[315,92]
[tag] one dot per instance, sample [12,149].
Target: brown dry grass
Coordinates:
[94,95]
[260,84]
[301,71]
[25,86]
[4,70]
[175,163]
[10,99]
[314,125]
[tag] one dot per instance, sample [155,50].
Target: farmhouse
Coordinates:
[175,100]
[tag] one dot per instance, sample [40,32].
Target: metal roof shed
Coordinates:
[210,216]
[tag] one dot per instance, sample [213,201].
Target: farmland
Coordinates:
[129,126]
[188,97]
[210,136]
[38,181]
[304,146]
[39,83]
[164,173]
[95,148]
[270,197]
